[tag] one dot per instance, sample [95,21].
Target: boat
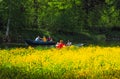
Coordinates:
[32,42]
[79,44]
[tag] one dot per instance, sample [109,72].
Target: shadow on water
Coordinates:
[101,43]
[12,45]
[88,43]
[109,44]
[22,45]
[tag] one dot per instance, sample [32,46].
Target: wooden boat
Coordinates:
[32,42]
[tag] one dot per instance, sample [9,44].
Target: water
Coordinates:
[12,45]
[105,44]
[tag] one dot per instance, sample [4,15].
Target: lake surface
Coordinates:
[12,45]
[106,44]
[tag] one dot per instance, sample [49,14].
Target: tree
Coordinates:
[9,21]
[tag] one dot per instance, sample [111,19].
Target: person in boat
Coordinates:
[49,38]
[38,38]
[44,39]
[60,44]
[68,43]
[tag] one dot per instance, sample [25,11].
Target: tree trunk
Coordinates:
[7,29]
[7,39]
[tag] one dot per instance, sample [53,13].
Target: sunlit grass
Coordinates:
[92,62]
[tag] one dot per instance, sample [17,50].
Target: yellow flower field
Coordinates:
[92,62]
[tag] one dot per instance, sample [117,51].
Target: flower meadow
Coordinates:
[91,62]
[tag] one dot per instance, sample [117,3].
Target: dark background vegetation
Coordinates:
[87,21]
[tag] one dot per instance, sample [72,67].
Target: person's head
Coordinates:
[44,37]
[61,41]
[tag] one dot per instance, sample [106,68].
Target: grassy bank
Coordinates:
[93,62]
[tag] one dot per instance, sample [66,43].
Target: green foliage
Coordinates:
[71,16]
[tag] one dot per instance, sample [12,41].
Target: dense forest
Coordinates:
[79,20]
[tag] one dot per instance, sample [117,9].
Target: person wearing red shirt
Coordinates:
[60,44]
